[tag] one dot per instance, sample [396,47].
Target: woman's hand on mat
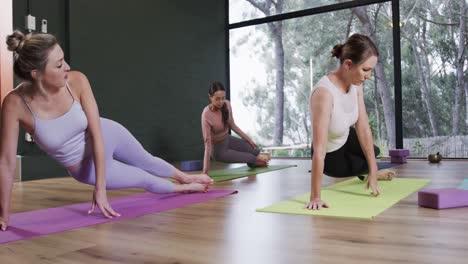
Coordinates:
[3,223]
[316,204]
[100,200]
[372,183]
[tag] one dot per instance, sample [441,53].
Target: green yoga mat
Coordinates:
[350,199]
[229,174]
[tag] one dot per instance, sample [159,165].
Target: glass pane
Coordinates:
[434,108]
[241,10]
[256,72]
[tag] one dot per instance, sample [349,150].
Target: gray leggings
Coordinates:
[234,150]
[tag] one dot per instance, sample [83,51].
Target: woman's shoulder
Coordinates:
[13,100]
[322,87]
[324,80]
[76,76]
[22,89]
[321,92]
[77,82]
[206,112]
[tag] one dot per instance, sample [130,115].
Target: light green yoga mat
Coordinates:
[229,174]
[350,199]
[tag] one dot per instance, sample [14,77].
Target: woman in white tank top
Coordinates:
[342,143]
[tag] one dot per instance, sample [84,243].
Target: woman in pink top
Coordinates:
[216,121]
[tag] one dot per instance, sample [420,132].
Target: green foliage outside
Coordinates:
[430,37]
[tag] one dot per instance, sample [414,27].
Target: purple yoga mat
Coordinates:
[53,220]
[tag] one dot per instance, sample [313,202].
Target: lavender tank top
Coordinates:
[64,138]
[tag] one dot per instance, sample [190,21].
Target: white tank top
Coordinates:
[344,113]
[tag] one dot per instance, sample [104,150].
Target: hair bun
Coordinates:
[337,51]
[15,41]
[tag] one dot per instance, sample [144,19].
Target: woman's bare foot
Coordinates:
[386,175]
[266,156]
[185,178]
[191,187]
[199,178]
[261,163]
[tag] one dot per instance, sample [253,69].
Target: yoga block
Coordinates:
[396,159]
[398,152]
[191,165]
[443,198]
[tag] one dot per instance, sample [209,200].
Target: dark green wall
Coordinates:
[149,63]
[35,163]
[54,12]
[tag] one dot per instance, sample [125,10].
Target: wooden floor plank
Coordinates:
[228,230]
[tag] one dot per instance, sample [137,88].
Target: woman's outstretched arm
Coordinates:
[321,105]
[9,129]
[364,134]
[206,131]
[80,82]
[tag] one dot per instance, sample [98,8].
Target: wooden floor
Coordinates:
[228,230]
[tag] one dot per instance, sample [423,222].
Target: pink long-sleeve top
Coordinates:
[214,130]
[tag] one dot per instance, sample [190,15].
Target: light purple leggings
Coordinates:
[128,164]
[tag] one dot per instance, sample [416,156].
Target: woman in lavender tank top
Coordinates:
[58,108]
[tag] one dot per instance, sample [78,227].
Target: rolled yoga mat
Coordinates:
[229,174]
[53,220]
[350,199]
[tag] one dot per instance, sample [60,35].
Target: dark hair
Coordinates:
[357,48]
[214,87]
[31,52]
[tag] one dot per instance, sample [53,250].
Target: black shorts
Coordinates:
[349,160]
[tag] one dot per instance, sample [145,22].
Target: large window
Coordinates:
[251,9]
[434,77]
[274,65]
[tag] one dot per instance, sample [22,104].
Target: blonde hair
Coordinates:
[31,52]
